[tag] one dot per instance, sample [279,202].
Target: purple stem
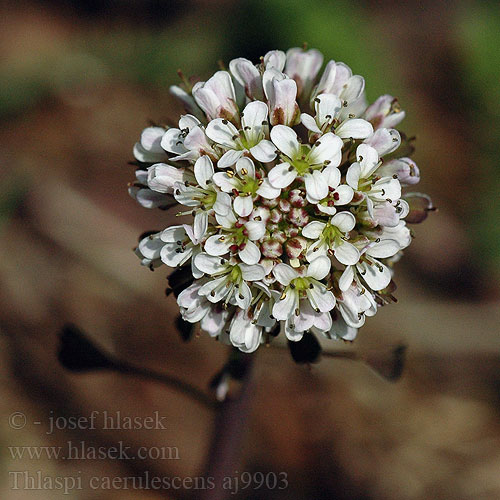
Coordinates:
[231,417]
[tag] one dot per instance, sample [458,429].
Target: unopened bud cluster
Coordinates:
[292,185]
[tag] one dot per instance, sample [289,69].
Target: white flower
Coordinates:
[245,185]
[248,76]
[368,269]
[354,304]
[281,93]
[328,107]
[243,333]
[405,170]
[149,149]
[296,213]
[179,246]
[162,177]
[203,196]
[250,139]
[216,96]
[303,160]
[188,101]
[384,141]
[188,142]
[338,79]
[147,198]
[229,280]
[330,237]
[275,59]
[385,112]
[360,176]
[338,194]
[305,301]
[236,236]
[303,66]
[340,330]
[149,250]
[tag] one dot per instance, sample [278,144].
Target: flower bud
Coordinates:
[271,248]
[279,235]
[296,246]
[297,198]
[298,217]
[405,169]
[276,216]
[284,205]
[269,203]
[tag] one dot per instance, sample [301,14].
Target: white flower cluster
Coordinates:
[293,188]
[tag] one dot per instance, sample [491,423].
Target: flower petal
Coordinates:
[264,151]
[281,176]
[229,158]
[316,185]
[215,246]
[345,221]
[327,107]
[275,59]
[245,164]
[353,175]
[253,118]
[353,89]
[226,183]
[243,205]
[285,308]
[319,267]
[267,191]
[384,140]
[376,276]
[208,264]
[345,281]
[327,149]
[384,248]
[222,132]
[162,177]
[345,194]
[250,253]
[354,129]
[252,272]
[285,139]
[310,123]
[173,234]
[347,254]
[248,76]
[203,171]
[321,298]
[200,225]
[222,204]
[313,230]
[285,273]
[256,229]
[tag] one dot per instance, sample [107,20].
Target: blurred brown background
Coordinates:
[79,81]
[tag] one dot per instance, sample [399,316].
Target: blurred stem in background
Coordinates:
[478,39]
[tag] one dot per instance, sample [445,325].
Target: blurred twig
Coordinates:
[79,354]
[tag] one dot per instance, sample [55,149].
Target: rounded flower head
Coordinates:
[290,189]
